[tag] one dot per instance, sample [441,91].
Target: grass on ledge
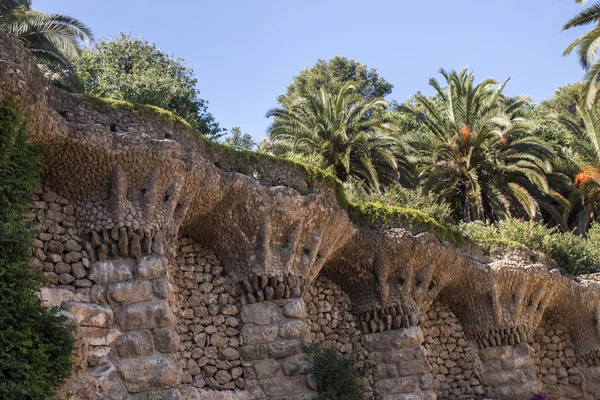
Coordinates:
[103,104]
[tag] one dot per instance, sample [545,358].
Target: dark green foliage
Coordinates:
[353,135]
[35,348]
[336,376]
[332,75]
[133,70]
[573,254]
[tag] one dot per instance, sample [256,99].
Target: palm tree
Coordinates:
[477,153]
[53,39]
[352,134]
[587,50]
[585,148]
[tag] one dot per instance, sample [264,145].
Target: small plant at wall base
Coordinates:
[35,347]
[335,374]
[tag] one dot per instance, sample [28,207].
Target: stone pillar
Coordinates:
[128,325]
[509,371]
[273,352]
[401,370]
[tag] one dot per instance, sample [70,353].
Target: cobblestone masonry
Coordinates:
[455,365]
[154,244]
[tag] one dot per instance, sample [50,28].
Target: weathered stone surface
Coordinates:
[293,330]
[54,297]
[295,308]
[151,267]
[88,314]
[135,344]
[265,313]
[103,272]
[284,386]
[99,336]
[400,338]
[166,340]
[149,373]
[130,292]
[147,315]
[259,334]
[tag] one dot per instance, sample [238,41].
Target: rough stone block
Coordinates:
[152,267]
[147,315]
[259,334]
[166,340]
[254,352]
[54,297]
[267,368]
[157,372]
[285,348]
[135,344]
[401,385]
[265,313]
[395,339]
[103,272]
[88,314]
[130,292]
[99,336]
[293,330]
[284,386]
[295,308]
[496,353]
[299,363]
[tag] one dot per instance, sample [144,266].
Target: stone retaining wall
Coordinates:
[454,361]
[207,320]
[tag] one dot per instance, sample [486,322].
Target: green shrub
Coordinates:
[573,254]
[396,195]
[35,348]
[335,374]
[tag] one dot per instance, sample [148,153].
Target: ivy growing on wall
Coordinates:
[35,346]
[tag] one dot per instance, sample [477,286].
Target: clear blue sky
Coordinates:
[245,52]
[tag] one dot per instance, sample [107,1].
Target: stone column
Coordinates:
[273,352]
[508,370]
[401,370]
[128,325]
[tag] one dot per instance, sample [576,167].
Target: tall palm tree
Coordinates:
[587,49]
[52,38]
[352,134]
[477,153]
[585,147]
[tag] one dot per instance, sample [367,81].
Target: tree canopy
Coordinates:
[131,69]
[332,75]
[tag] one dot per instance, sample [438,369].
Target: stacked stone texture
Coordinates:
[452,358]
[509,371]
[400,366]
[208,320]
[556,363]
[274,340]
[332,324]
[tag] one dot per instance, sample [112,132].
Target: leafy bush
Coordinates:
[336,377]
[573,254]
[397,195]
[35,348]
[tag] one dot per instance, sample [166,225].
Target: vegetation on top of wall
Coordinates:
[573,254]
[35,346]
[104,104]
[335,374]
